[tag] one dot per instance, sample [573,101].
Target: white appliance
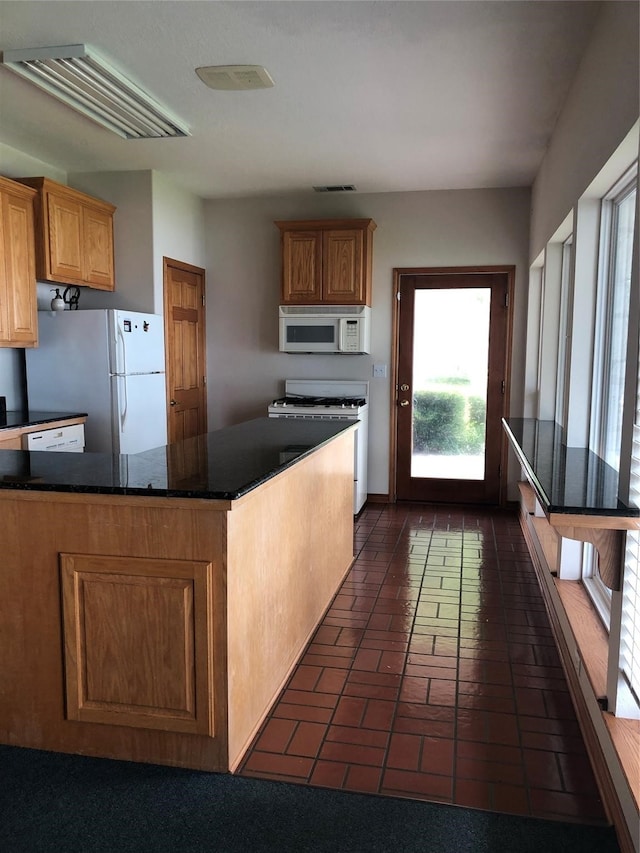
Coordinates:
[64,439]
[334,400]
[325,328]
[108,363]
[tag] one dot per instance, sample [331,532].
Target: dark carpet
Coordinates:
[52,803]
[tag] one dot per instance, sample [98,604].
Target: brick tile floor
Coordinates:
[434,676]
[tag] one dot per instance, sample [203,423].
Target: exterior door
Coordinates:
[453,348]
[185,350]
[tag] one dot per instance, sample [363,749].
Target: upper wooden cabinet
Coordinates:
[74,236]
[327,261]
[18,303]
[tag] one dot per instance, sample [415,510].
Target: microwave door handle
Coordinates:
[342,328]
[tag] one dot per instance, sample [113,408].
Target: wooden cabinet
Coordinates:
[74,236]
[18,304]
[327,261]
[14,443]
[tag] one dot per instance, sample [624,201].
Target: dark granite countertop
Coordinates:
[569,480]
[28,417]
[222,465]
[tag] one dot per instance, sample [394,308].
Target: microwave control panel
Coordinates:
[350,336]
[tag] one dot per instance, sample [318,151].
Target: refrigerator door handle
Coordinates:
[121,356]
[124,402]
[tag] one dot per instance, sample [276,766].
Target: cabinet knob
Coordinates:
[173,403]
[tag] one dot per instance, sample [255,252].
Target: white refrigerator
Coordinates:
[108,363]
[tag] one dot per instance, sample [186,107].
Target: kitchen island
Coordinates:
[153,606]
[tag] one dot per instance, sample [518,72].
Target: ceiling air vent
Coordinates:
[235,77]
[336,188]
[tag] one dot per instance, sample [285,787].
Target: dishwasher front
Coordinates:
[65,439]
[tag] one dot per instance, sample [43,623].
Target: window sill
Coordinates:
[591,638]
[583,642]
[593,645]
[625,735]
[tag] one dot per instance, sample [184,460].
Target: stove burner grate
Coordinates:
[344,402]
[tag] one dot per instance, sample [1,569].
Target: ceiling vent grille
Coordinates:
[336,188]
[235,77]
[82,79]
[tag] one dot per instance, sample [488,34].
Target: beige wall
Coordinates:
[456,228]
[594,142]
[178,230]
[154,218]
[600,110]
[131,192]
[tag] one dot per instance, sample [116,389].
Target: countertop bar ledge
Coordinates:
[570,480]
[577,491]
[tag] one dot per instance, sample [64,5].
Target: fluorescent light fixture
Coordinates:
[82,79]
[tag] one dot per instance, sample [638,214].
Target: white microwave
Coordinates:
[325,328]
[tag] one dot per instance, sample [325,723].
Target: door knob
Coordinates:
[173,403]
[404,402]
[404,387]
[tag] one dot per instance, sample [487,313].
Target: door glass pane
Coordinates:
[450,371]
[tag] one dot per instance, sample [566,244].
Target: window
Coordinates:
[564,333]
[614,288]
[540,279]
[612,323]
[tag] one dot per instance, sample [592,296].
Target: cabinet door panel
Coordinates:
[18,219]
[4,280]
[137,642]
[98,248]
[302,266]
[343,267]
[65,238]
[18,315]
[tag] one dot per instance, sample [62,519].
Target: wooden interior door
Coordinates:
[184,299]
[452,357]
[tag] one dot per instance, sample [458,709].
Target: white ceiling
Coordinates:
[389,96]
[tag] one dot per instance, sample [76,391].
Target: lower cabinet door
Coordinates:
[138,642]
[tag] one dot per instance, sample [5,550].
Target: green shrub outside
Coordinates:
[448,422]
[451,380]
[476,424]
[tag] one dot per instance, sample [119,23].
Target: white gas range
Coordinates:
[335,400]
